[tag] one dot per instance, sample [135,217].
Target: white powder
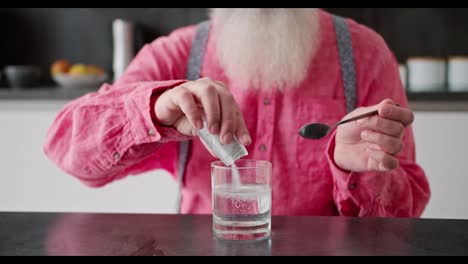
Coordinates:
[228,153]
[236,177]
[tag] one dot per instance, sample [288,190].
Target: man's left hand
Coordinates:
[371,144]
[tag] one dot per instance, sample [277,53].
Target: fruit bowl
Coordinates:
[77,75]
[78,81]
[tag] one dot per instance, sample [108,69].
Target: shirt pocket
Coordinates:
[310,153]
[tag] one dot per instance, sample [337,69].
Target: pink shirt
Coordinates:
[110,134]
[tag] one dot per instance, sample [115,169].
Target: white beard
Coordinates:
[265,48]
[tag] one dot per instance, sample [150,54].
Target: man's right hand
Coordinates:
[184,106]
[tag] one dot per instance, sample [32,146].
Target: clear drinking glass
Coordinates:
[241,196]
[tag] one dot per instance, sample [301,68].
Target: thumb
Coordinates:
[183,126]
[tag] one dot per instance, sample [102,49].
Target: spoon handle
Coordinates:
[369,114]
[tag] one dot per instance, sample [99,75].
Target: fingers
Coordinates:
[242,133]
[209,99]
[388,110]
[221,110]
[229,113]
[380,124]
[228,118]
[386,143]
[184,99]
[381,161]
[391,120]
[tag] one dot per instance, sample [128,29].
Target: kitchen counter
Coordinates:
[421,102]
[148,234]
[44,93]
[438,101]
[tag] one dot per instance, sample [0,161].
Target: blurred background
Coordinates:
[95,45]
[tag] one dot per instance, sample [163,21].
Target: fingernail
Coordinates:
[382,167]
[214,129]
[227,138]
[199,124]
[374,147]
[245,138]
[365,135]
[373,155]
[361,122]
[386,111]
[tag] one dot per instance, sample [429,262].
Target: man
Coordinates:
[260,76]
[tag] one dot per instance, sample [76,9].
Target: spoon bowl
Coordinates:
[318,130]
[314,131]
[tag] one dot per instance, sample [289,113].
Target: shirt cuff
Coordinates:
[141,117]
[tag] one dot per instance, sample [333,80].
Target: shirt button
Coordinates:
[352,186]
[151,132]
[116,155]
[266,101]
[262,148]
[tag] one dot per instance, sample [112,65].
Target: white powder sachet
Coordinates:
[229,153]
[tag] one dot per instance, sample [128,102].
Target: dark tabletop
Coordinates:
[138,234]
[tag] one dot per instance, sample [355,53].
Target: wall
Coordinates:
[30,182]
[441,149]
[42,35]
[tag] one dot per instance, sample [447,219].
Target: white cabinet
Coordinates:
[442,151]
[30,182]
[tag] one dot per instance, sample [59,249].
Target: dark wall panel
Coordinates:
[42,35]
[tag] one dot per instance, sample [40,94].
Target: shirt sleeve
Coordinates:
[111,133]
[403,192]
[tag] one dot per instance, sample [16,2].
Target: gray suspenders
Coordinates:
[348,70]
[195,62]
[194,66]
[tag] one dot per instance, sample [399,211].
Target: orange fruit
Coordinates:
[93,69]
[60,66]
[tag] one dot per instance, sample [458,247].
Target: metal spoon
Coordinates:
[318,130]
